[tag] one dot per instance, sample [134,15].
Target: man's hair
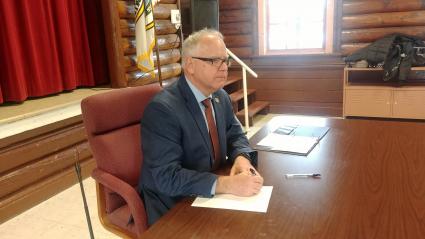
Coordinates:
[191,44]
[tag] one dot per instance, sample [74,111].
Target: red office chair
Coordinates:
[112,122]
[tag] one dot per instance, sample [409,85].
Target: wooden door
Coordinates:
[409,104]
[368,102]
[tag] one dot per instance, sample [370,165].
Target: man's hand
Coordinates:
[242,165]
[244,180]
[242,184]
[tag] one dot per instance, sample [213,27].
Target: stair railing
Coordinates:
[245,68]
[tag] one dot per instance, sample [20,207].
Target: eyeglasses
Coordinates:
[217,62]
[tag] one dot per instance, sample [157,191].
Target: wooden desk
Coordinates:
[373,186]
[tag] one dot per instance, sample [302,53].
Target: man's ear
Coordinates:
[189,65]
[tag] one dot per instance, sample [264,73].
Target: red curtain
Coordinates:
[48,46]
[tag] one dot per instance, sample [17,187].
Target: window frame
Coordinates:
[263,28]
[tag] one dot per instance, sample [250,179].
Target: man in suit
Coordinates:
[189,128]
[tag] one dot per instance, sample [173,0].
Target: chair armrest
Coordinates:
[127,192]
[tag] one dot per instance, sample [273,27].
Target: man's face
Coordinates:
[209,75]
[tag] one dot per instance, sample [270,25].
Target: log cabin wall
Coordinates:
[238,23]
[312,84]
[366,21]
[295,84]
[236,18]
[37,164]
[121,43]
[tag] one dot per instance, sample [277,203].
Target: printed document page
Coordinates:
[256,203]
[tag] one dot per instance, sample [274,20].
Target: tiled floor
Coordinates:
[62,216]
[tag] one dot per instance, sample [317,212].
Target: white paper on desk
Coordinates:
[288,143]
[256,203]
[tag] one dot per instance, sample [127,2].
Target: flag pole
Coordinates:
[181,26]
[158,64]
[158,61]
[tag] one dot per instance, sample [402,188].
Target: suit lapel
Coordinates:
[194,109]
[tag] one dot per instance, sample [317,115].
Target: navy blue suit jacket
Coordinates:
[177,148]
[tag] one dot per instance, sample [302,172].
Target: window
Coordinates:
[295,26]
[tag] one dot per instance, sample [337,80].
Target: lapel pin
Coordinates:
[217,100]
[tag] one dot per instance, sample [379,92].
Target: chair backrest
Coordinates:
[112,122]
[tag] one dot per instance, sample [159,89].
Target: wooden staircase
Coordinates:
[234,88]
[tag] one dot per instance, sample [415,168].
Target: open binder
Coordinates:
[292,139]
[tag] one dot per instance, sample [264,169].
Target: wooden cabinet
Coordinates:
[365,94]
[409,104]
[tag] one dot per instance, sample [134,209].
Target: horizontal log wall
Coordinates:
[120,32]
[168,41]
[238,23]
[358,23]
[364,21]
[304,84]
[39,163]
[289,82]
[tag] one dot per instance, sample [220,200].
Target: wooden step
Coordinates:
[238,95]
[231,80]
[257,107]
[237,98]
[232,84]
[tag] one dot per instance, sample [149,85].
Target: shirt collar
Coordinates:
[198,94]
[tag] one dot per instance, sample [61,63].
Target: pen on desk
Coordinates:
[313,175]
[252,171]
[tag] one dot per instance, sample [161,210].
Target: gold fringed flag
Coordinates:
[145,36]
